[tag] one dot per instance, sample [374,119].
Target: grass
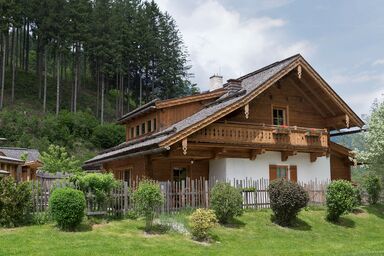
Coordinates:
[359,233]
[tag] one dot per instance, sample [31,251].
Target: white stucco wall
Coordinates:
[238,168]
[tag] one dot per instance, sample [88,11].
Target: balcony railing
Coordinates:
[262,135]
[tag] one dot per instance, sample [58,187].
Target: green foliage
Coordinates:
[202,220]
[67,206]
[108,135]
[148,198]
[56,159]
[15,202]
[287,199]
[41,218]
[100,184]
[374,139]
[372,185]
[226,201]
[340,199]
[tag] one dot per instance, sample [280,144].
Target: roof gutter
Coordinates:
[348,132]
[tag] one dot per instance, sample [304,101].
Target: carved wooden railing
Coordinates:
[268,136]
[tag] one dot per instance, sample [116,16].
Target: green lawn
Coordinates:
[357,234]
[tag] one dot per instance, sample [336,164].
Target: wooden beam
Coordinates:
[305,82]
[314,155]
[254,152]
[218,151]
[292,82]
[286,154]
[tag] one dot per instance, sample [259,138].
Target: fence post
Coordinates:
[125,195]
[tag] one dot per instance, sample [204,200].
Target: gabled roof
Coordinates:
[159,104]
[17,153]
[252,85]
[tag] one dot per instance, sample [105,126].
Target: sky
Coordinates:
[343,40]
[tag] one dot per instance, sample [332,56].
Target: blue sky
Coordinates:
[343,40]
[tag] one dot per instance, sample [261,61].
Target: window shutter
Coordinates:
[272,172]
[293,173]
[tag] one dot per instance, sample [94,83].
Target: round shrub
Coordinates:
[340,199]
[148,198]
[226,201]
[287,199]
[67,207]
[202,220]
[373,187]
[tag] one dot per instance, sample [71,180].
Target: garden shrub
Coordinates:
[287,199]
[147,199]
[67,207]
[56,159]
[372,185]
[202,220]
[226,201]
[340,199]
[100,184]
[15,203]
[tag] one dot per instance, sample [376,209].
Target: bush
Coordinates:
[108,135]
[100,184]
[340,199]
[372,185]
[202,221]
[287,199]
[148,199]
[15,203]
[56,159]
[67,207]
[226,201]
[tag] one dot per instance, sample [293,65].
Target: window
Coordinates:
[137,131]
[132,132]
[149,125]
[179,174]
[154,124]
[282,172]
[279,116]
[142,128]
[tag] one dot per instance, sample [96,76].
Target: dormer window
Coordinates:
[149,125]
[279,116]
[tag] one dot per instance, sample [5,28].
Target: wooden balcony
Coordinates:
[269,137]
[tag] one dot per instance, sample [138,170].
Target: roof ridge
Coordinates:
[268,66]
[17,148]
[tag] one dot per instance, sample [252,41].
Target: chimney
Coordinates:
[233,85]
[215,82]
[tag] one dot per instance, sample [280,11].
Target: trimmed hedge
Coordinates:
[287,199]
[67,206]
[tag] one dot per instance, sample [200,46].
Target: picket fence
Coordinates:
[177,195]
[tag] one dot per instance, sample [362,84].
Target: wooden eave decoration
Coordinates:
[314,155]
[246,111]
[184,145]
[254,152]
[299,72]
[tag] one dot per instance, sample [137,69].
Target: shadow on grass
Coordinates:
[297,224]
[83,227]
[377,210]
[156,229]
[235,223]
[344,222]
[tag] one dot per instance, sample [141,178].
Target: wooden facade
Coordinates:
[291,113]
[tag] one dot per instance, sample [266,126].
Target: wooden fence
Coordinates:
[177,195]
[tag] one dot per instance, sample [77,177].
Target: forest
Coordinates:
[128,51]
[70,68]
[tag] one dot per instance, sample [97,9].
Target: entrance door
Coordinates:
[179,174]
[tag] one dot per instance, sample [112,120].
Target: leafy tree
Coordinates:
[56,159]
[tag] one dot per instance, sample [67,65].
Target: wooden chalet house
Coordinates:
[273,122]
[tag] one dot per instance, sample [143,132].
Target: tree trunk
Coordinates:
[38,65]
[45,80]
[13,64]
[58,84]
[102,99]
[77,60]
[141,91]
[27,49]
[2,72]
[98,89]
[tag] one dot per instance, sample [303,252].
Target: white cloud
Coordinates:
[378,62]
[219,39]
